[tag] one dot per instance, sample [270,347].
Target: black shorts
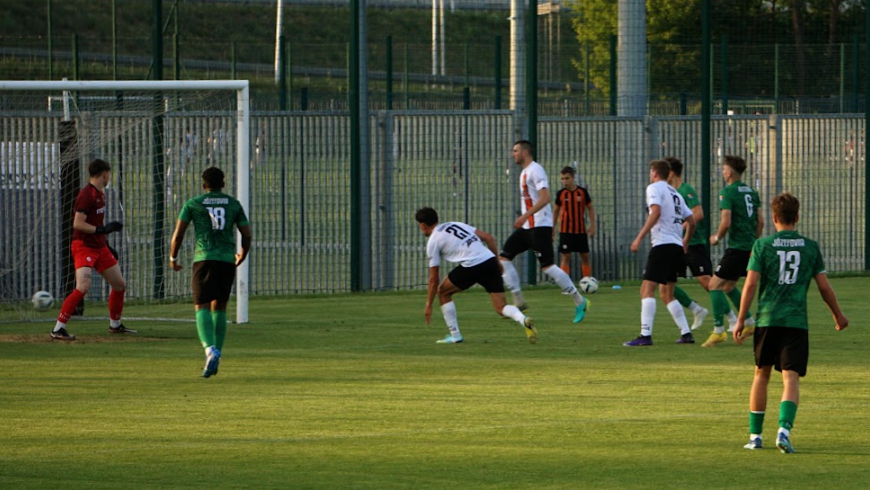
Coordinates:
[487,274]
[573,242]
[212,280]
[697,260]
[783,348]
[539,239]
[663,263]
[733,264]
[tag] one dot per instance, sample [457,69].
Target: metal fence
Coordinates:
[458,162]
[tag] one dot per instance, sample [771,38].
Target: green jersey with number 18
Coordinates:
[744,204]
[787,263]
[213,215]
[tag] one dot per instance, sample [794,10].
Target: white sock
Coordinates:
[784,431]
[449,312]
[696,308]
[647,315]
[679,316]
[564,281]
[58,326]
[732,318]
[212,349]
[755,436]
[514,313]
[718,330]
[512,281]
[114,323]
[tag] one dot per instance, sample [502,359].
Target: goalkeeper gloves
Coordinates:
[110,227]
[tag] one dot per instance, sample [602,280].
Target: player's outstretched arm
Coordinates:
[827,292]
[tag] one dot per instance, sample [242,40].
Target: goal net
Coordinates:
[158,137]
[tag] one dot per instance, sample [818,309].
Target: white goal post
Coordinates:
[16,138]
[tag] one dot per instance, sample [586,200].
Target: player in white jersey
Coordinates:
[474,251]
[534,230]
[667,212]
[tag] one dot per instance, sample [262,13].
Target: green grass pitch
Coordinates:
[351,391]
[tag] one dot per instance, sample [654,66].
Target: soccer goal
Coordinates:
[158,136]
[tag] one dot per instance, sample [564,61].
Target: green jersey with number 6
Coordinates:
[691,198]
[744,204]
[213,215]
[787,262]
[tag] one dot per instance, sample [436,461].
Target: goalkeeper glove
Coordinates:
[110,227]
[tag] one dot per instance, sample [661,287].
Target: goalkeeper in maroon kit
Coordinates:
[90,251]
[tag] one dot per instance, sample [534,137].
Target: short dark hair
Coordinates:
[526,145]
[661,167]
[676,165]
[213,178]
[567,170]
[736,163]
[427,216]
[97,167]
[786,208]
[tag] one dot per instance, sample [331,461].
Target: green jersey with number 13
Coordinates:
[744,204]
[787,263]
[213,215]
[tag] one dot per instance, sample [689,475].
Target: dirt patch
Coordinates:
[45,338]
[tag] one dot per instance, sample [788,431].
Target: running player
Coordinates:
[214,261]
[742,222]
[534,230]
[475,251]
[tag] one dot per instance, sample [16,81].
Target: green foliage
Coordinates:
[811,33]
[351,391]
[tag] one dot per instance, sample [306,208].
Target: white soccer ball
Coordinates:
[588,285]
[42,300]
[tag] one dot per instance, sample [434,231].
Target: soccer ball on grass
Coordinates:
[588,285]
[42,300]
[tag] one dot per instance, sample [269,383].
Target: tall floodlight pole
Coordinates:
[360,181]
[518,60]
[705,108]
[434,37]
[279,32]
[866,130]
[631,53]
[441,34]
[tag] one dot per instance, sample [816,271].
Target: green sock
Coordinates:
[220,327]
[720,307]
[787,412]
[682,297]
[205,327]
[756,422]
[734,296]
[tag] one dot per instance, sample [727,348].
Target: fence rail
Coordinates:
[458,162]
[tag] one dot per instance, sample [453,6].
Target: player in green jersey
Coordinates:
[781,268]
[742,222]
[214,261]
[696,258]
